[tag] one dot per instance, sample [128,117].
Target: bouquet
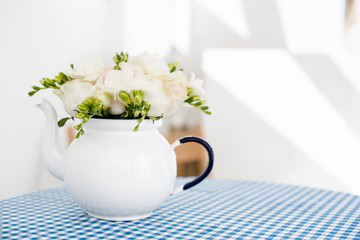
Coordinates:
[136,87]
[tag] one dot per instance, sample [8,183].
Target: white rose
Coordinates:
[150,63]
[176,84]
[177,91]
[73,93]
[197,86]
[115,81]
[87,69]
[116,108]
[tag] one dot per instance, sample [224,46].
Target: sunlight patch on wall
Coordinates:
[271,84]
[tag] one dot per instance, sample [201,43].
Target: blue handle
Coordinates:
[211,159]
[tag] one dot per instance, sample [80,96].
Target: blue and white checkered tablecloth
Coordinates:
[215,209]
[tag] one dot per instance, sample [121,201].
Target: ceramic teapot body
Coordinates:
[114,173]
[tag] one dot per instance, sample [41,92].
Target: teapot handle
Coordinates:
[208,168]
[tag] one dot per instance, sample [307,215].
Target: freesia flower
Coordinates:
[150,63]
[197,86]
[73,93]
[177,91]
[154,94]
[115,81]
[138,87]
[87,69]
[104,97]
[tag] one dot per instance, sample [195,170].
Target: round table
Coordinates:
[215,209]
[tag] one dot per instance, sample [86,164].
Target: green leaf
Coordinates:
[32,93]
[62,122]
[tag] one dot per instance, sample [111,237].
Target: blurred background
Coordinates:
[282,80]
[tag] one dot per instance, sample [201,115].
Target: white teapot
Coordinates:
[113,173]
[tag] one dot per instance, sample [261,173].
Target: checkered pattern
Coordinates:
[215,209]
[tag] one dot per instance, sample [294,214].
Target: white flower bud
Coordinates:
[116,108]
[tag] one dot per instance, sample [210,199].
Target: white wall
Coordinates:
[37,39]
[137,25]
[40,38]
[280,124]
[284,90]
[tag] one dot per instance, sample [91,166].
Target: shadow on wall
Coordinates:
[335,86]
[264,25]
[248,146]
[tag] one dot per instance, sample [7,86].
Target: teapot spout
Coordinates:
[52,153]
